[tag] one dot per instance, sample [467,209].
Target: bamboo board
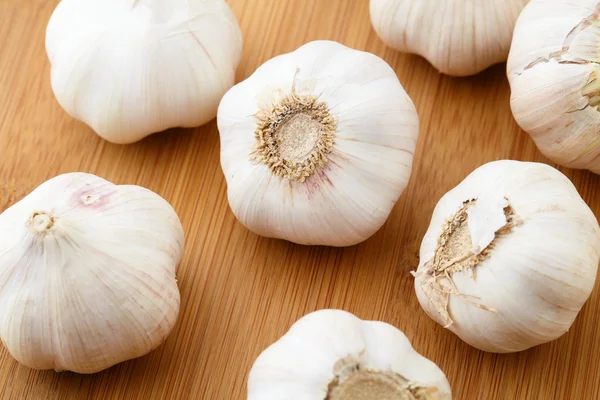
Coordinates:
[241,292]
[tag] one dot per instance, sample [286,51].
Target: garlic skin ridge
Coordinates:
[317,145]
[458,37]
[130,68]
[331,354]
[87,274]
[516,268]
[553,74]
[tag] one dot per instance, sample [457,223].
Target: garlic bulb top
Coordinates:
[458,37]
[553,73]
[333,355]
[87,274]
[317,145]
[129,68]
[510,257]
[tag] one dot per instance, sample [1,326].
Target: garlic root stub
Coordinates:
[458,37]
[317,145]
[87,274]
[510,257]
[333,355]
[130,68]
[553,69]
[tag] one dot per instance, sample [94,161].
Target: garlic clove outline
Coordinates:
[333,355]
[458,37]
[317,145]
[553,74]
[87,274]
[528,284]
[137,67]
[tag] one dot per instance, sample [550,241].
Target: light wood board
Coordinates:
[241,292]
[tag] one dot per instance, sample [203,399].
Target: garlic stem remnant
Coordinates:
[553,70]
[294,137]
[41,222]
[510,257]
[90,283]
[458,37]
[134,68]
[317,145]
[340,357]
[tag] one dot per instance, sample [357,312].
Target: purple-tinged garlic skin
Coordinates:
[87,274]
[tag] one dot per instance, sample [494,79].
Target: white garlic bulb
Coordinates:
[553,72]
[87,274]
[317,145]
[458,37]
[333,355]
[130,68]
[510,257]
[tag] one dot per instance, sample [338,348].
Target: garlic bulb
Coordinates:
[317,145]
[333,355]
[87,274]
[510,257]
[553,73]
[130,68]
[458,37]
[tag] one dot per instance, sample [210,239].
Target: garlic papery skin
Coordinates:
[334,355]
[317,145]
[553,70]
[510,257]
[87,274]
[458,37]
[130,68]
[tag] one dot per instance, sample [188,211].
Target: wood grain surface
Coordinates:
[241,292]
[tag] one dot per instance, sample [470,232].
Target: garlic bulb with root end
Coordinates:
[333,355]
[554,69]
[130,68]
[87,274]
[510,257]
[317,145]
[458,37]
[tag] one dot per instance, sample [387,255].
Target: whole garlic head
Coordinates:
[510,257]
[317,145]
[333,355]
[130,68]
[458,37]
[553,69]
[87,274]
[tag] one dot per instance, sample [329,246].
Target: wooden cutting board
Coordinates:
[241,292]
